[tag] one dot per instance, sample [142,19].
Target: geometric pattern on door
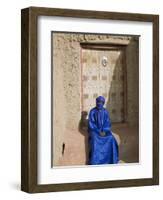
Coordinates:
[103,74]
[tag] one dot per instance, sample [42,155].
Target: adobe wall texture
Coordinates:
[70,143]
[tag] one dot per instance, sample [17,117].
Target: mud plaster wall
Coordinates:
[67,92]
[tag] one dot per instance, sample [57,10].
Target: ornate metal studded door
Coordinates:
[103,73]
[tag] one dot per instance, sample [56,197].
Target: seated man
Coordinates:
[103,146]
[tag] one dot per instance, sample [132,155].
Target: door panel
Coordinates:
[103,74]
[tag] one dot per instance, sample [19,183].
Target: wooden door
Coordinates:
[103,73]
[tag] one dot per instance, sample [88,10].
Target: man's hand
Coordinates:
[102,133]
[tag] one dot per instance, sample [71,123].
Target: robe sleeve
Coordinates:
[107,122]
[91,123]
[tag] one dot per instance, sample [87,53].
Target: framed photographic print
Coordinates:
[89,99]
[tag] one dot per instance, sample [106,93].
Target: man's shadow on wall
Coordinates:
[83,129]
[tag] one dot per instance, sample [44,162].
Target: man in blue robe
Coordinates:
[103,146]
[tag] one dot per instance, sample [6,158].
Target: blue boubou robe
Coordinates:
[103,149]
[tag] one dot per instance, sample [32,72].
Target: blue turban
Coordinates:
[100,101]
[100,98]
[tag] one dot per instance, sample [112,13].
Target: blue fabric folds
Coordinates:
[103,149]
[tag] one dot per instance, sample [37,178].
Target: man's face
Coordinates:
[99,104]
